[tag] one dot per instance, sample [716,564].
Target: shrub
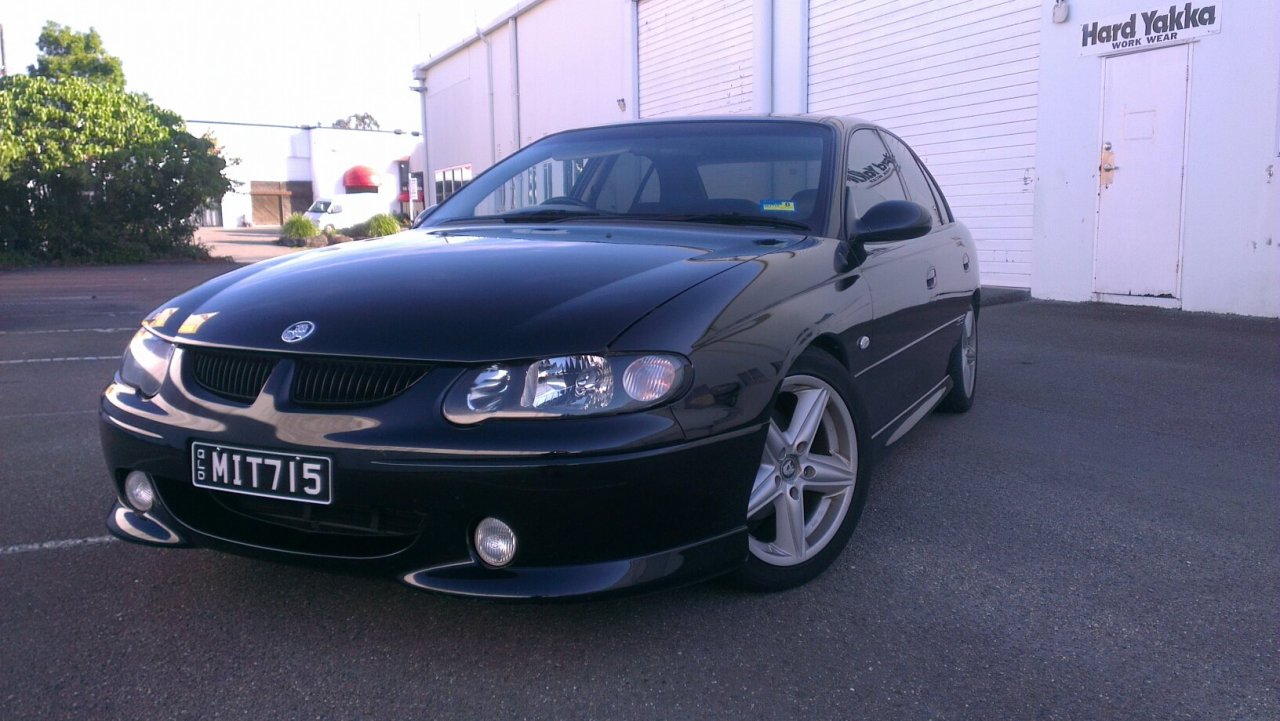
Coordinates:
[298,228]
[383,224]
[90,173]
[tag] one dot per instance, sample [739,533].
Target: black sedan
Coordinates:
[623,357]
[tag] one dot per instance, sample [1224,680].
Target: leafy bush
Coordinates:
[298,227]
[91,173]
[383,224]
[359,230]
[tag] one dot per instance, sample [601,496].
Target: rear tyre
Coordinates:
[963,368]
[812,481]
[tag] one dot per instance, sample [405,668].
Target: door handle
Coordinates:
[1109,167]
[931,278]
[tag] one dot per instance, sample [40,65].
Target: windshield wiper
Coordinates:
[728,219]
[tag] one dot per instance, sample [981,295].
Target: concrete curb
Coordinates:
[1000,295]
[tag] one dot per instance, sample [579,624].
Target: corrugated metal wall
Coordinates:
[695,57]
[957,80]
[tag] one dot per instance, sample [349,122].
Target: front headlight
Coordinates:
[146,362]
[574,385]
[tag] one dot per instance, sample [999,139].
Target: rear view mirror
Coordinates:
[892,220]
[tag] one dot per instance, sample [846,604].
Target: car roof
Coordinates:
[843,122]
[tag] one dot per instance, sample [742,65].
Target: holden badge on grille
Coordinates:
[298,331]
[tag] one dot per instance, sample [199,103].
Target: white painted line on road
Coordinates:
[60,360]
[56,545]
[66,330]
[51,414]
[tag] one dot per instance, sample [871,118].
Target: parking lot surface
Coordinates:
[1097,539]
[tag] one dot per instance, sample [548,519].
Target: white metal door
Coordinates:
[695,57]
[1144,111]
[958,82]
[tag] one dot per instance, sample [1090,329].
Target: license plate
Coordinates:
[255,472]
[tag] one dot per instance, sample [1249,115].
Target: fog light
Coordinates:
[139,492]
[495,542]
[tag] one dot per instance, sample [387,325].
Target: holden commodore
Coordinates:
[624,357]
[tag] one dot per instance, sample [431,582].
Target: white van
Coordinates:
[344,211]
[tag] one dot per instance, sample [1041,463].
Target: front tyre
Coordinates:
[809,490]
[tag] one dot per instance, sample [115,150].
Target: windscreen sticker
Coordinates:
[778,206]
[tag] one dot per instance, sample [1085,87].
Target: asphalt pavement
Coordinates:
[1098,539]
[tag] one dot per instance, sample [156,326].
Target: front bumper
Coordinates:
[587,525]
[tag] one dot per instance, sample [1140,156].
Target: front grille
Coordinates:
[317,382]
[358,521]
[235,376]
[337,383]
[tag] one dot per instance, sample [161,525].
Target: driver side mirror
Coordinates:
[892,220]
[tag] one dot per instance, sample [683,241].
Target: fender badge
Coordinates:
[298,331]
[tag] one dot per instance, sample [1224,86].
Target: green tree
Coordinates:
[65,53]
[361,121]
[90,173]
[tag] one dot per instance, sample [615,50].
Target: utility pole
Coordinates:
[4,66]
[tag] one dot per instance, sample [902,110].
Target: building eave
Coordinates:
[420,70]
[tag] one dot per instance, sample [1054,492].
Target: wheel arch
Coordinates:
[829,344]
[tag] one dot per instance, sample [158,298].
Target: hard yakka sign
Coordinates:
[1151,28]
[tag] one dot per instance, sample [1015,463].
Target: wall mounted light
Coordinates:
[1060,11]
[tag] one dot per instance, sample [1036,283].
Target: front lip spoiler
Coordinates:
[144,528]
[676,566]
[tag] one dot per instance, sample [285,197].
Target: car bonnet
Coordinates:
[463,293]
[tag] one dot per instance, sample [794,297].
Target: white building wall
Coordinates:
[317,155]
[958,82]
[457,110]
[572,68]
[256,152]
[547,67]
[1230,222]
[334,151]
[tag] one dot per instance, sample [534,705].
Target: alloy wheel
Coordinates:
[805,483]
[970,350]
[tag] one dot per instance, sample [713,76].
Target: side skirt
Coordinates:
[907,419]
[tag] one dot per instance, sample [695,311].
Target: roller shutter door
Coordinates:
[957,80]
[694,57]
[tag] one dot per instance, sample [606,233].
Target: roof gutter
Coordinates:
[521,8]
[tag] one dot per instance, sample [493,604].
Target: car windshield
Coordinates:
[729,172]
[320,206]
